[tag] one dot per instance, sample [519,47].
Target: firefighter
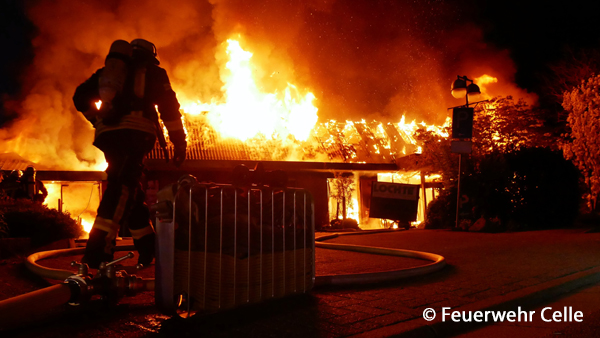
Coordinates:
[126,133]
[31,188]
[11,183]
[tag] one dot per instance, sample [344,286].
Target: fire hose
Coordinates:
[112,284]
[438,262]
[77,288]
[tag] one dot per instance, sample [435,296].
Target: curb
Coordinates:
[527,298]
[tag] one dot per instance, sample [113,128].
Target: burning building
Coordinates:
[296,86]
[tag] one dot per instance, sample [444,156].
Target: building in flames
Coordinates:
[358,152]
[248,125]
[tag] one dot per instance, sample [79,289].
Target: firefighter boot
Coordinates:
[145,247]
[97,250]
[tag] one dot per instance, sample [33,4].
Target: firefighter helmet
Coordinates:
[145,50]
[15,174]
[120,49]
[29,171]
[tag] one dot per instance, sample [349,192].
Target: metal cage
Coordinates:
[224,246]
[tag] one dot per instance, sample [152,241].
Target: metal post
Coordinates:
[424,189]
[458,190]
[459,170]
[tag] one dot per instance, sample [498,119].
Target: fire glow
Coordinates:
[252,115]
[79,199]
[322,54]
[248,111]
[285,119]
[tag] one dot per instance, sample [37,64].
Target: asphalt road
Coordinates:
[480,267]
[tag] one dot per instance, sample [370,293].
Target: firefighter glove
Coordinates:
[179,156]
[178,139]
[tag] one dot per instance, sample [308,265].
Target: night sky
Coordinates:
[535,34]
[16,33]
[539,33]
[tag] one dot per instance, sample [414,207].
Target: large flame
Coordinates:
[248,111]
[332,46]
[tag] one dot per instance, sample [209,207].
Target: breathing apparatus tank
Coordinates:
[113,75]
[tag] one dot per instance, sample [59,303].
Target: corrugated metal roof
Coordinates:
[330,142]
[347,142]
[12,161]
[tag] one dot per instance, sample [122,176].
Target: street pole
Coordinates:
[458,190]
[461,129]
[459,174]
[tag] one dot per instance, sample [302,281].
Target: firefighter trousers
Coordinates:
[123,201]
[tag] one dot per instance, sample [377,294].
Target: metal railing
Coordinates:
[223,246]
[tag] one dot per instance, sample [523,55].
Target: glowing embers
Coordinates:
[330,141]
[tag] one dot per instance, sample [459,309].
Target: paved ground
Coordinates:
[485,271]
[585,300]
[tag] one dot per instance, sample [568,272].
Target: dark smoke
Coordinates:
[361,58]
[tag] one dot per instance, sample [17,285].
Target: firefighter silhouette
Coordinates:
[24,185]
[30,187]
[11,183]
[126,131]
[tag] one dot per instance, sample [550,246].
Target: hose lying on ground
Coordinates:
[27,307]
[39,304]
[438,262]
[377,277]
[33,306]
[58,274]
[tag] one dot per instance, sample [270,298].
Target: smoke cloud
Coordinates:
[362,59]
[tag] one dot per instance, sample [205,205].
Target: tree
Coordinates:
[343,188]
[583,145]
[502,125]
[436,155]
[503,130]
[567,73]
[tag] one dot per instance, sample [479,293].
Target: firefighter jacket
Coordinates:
[147,88]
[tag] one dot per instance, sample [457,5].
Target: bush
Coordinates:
[4,231]
[25,218]
[441,212]
[347,223]
[533,188]
[544,189]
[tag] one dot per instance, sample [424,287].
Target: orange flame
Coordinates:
[248,111]
[79,199]
[483,82]
[87,225]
